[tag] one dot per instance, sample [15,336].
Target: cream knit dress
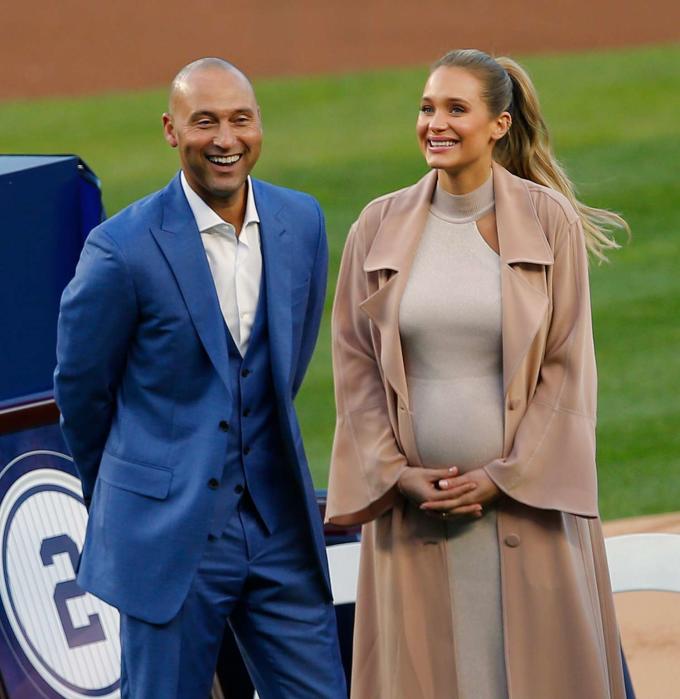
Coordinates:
[450,326]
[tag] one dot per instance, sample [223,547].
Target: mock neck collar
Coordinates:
[463,208]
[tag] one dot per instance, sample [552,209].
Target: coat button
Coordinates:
[245,372]
[213,484]
[246,450]
[224,426]
[512,540]
[238,489]
[246,412]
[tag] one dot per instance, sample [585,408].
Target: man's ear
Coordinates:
[169,130]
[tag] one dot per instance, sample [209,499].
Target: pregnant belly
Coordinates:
[458,422]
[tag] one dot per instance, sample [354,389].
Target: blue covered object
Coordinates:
[48,205]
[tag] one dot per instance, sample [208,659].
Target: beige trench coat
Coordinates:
[561,639]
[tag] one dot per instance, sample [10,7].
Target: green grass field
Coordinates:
[347,139]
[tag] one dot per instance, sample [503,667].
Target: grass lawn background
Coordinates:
[347,139]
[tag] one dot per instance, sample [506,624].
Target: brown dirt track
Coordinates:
[85,46]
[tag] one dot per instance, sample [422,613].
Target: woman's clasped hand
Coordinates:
[444,492]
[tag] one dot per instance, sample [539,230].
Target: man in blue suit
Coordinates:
[183,340]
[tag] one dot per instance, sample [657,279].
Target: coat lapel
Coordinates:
[392,253]
[523,250]
[524,253]
[276,259]
[180,241]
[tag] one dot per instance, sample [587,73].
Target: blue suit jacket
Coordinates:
[142,384]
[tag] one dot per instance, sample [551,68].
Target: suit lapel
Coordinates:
[179,239]
[276,259]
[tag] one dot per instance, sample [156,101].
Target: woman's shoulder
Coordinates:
[551,205]
[554,212]
[395,203]
[381,205]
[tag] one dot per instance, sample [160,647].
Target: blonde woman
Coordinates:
[466,397]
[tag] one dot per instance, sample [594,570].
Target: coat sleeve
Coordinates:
[96,321]
[366,461]
[551,464]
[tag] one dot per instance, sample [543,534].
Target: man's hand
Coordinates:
[423,486]
[457,494]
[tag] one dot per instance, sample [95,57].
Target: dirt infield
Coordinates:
[80,46]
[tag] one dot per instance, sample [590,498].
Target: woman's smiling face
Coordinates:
[455,130]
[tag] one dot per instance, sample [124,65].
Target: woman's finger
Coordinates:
[466,487]
[453,481]
[475,509]
[436,474]
[445,505]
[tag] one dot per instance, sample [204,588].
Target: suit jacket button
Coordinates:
[246,450]
[245,372]
[238,489]
[512,540]
[224,426]
[213,484]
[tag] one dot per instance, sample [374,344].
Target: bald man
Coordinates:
[183,340]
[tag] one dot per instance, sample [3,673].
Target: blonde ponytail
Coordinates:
[525,150]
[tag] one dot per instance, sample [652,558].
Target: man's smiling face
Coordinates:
[214,122]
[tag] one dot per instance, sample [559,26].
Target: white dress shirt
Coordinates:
[235,262]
